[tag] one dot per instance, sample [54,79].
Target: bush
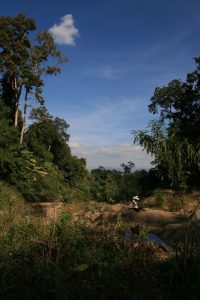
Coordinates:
[69,260]
[11,202]
[159,198]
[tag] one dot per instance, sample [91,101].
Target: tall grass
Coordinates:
[74,260]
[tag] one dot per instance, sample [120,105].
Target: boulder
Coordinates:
[151,216]
[107,208]
[118,207]
[191,207]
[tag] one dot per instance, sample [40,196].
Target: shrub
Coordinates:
[159,198]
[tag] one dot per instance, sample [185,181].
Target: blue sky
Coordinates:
[119,51]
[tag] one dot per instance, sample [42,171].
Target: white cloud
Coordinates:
[65,32]
[113,156]
[106,123]
[74,145]
[102,134]
[106,72]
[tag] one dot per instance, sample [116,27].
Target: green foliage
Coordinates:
[175,203]
[103,184]
[116,186]
[174,138]
[44,170]
[178,103]
[10,157]
[175,156]
[47,136]
[64,218]
[68,260]
[11,201]
[75,194]
[159,198]
[14,42]
[48,187]
[19,167]
[23,64]
[128,167]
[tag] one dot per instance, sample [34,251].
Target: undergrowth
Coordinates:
[72,260]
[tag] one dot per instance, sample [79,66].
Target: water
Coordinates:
[159,242]
[153,238]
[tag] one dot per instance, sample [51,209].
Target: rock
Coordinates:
[105,217]
[106,208]
[93,217]
[118,207]
[190,207]
[111,217]
[151,216]
[128,215]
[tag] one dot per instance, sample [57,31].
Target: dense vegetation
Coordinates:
[174,137]
[74,260]
[37,160]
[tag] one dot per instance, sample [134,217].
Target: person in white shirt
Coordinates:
[135,203]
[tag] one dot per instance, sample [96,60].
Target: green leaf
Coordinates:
[81,268]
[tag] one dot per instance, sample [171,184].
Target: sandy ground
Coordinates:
[170,226]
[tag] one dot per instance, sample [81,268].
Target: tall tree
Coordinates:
[47,138]
[128,167]
[14,47]
[174,138]
[23,64]
[178,105]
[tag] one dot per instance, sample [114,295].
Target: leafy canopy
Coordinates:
[174,138]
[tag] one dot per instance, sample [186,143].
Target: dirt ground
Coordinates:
[169,225]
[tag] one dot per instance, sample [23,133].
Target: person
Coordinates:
[135,203]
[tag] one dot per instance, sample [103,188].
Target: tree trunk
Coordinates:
[24,117]
[14,86]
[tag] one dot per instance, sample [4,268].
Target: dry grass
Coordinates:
[71,258]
